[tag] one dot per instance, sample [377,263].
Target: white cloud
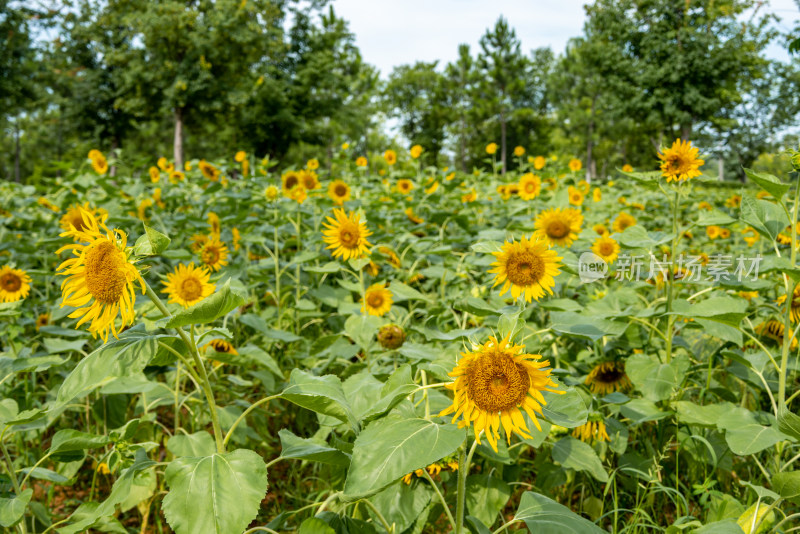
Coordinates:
[397,32]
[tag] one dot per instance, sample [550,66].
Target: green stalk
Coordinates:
[276,257]
[205,384]
[671,276]
[464,460]
[787,325]
[14,482]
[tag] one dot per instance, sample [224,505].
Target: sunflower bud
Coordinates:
[391,336]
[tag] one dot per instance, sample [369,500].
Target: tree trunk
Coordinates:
[503,139]
[16,151]
[114,146]
[462,142]
[178,144]
[721,168]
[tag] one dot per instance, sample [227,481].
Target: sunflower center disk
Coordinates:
[105,277]
[375,301]
[340,190]
[210,255]
[10,282]
[524,268]
[348,235]
[496,383]
[191,289]
[557,229]
[606,248]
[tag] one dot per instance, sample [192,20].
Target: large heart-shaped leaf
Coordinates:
[545,516]
[217,494]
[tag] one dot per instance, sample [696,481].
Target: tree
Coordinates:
[462,79]
[419,96]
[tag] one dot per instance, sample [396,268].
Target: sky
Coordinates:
[396,32]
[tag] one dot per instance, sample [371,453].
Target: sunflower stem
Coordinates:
[276,252]
[9,465]
[787,325]
[671,275]
[464,460]
[205,383]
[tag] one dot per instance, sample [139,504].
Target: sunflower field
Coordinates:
[379,347]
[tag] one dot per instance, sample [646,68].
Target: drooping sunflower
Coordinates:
[530,186]
[236,237]
[213,223]
[220,345]
[377,300]
[198,240]
[794,306]
[607,248]
[339,192]
[188,285]
[493,384]
[558,226]
[774,330]
[527,268]
[73,218]
[101,280]
[390,156]
[608,377]
[591,430]
[391,257]
[405,186]
[15,284]
[413,217]
[346,235]
[680,162]
[623,221]
[214,254]
[431,189]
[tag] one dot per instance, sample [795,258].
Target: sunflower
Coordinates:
[600,229]
[416,151]
[309,180]
[607,248]
[627,168]
[432,188]
[346,235]
[239,157]
[213,223]
[155,175]
[519,151]
[405,186]
[713,231]
[188,285]
[539,162]
[390,156]
[42,201]
[377,300]
[298,193]
[15,284]
[214,254]
[472,196]
[491,149]
[208,170]
[774,330]
[198,240]
[680,162]
[734,201]
[575,196]
[597,195]
[312,164]
[575,165]
[622,222]
[704,206]
[220,345]
[42,320]
[289,180]
[795,306]
[339,192]
[176,176]
[530,186]
[73,218]
[391,257]
[416,219]
[558,226]
[527,268]
[750,236]
[493,384]
[591,430]
[271,192]
[162,163]
[391,336]
[724,233]
[361,161]
[99,162]
[608,377]
[236,236]
[100,279]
